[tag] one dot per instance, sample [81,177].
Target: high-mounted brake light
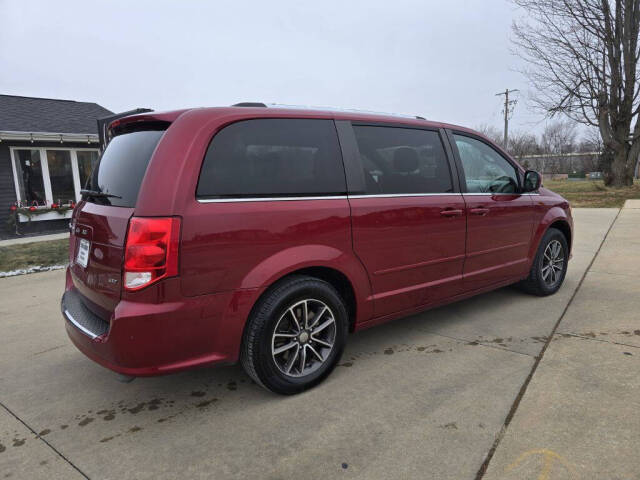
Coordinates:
[151,252]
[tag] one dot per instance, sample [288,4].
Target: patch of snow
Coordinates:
[36,269]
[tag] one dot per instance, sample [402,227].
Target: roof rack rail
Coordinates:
[334,109]
[343,110]
[250,104]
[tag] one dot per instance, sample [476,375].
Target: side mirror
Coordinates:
[532,181]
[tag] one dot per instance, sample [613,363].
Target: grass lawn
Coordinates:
[592,193]
[52,252]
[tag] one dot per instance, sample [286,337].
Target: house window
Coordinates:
[61,176]
[29,178]
[51,175]
[87,160]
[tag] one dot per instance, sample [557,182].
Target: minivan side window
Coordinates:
[485,170]
[273,158]
[402,160]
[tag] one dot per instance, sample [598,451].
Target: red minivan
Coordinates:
[266,235]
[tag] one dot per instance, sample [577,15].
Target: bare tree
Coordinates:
[491,132]
[522,144]
[558,137]
[583,62]
[591,142]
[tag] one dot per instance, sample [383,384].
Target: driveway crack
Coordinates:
[525,385]
[58,452]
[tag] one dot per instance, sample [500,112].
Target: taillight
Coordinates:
[151,252]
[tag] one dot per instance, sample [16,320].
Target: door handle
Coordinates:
[451,213]
[479,211]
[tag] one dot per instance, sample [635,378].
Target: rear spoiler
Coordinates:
[104,122]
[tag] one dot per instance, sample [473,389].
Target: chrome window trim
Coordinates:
[269,199]
[498,193]
[84,330]
[393,195]
[343,197]
[389,195]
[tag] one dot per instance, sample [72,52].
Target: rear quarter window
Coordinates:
[122,166]
[272,158]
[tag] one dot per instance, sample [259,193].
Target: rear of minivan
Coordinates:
[145,287]
[122,299]
[101,226]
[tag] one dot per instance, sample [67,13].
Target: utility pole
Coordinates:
[507,110]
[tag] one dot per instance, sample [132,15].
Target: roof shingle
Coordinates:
[30,114]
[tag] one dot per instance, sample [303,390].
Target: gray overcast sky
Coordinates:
[443,60]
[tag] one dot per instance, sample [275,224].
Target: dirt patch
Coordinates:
[85,421]
[206,403]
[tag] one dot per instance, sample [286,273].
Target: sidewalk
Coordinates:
[579,416]
[35,238]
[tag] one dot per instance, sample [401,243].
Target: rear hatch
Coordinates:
[100,222]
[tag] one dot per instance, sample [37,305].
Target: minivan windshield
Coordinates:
[120,171]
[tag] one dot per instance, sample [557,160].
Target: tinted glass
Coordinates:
[403,160]
[122,167]
[486,171]
[29,173]
[273,157]
[61,175]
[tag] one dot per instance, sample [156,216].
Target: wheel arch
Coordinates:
[337,280]
[564,227]
[333,276]
[555,217]
[340,269]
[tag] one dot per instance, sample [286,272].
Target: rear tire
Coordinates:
[295,335]
[549,266]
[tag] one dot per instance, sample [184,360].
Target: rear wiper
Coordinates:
[95,193]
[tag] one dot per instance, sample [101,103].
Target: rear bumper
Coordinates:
[143,339]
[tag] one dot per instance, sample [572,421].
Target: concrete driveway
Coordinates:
[423,397]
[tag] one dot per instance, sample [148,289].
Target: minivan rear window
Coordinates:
[273,158]
[122,167]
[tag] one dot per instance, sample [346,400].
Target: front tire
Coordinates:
[549,266]
[295,335]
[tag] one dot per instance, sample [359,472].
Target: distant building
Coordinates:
[579,163]
[48,148]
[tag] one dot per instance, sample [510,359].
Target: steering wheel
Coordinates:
[506,185]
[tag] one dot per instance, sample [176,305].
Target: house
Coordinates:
[48,148]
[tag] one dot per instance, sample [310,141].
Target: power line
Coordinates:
[508,109]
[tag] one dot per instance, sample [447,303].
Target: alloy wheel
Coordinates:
[303,338]
[552,263]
